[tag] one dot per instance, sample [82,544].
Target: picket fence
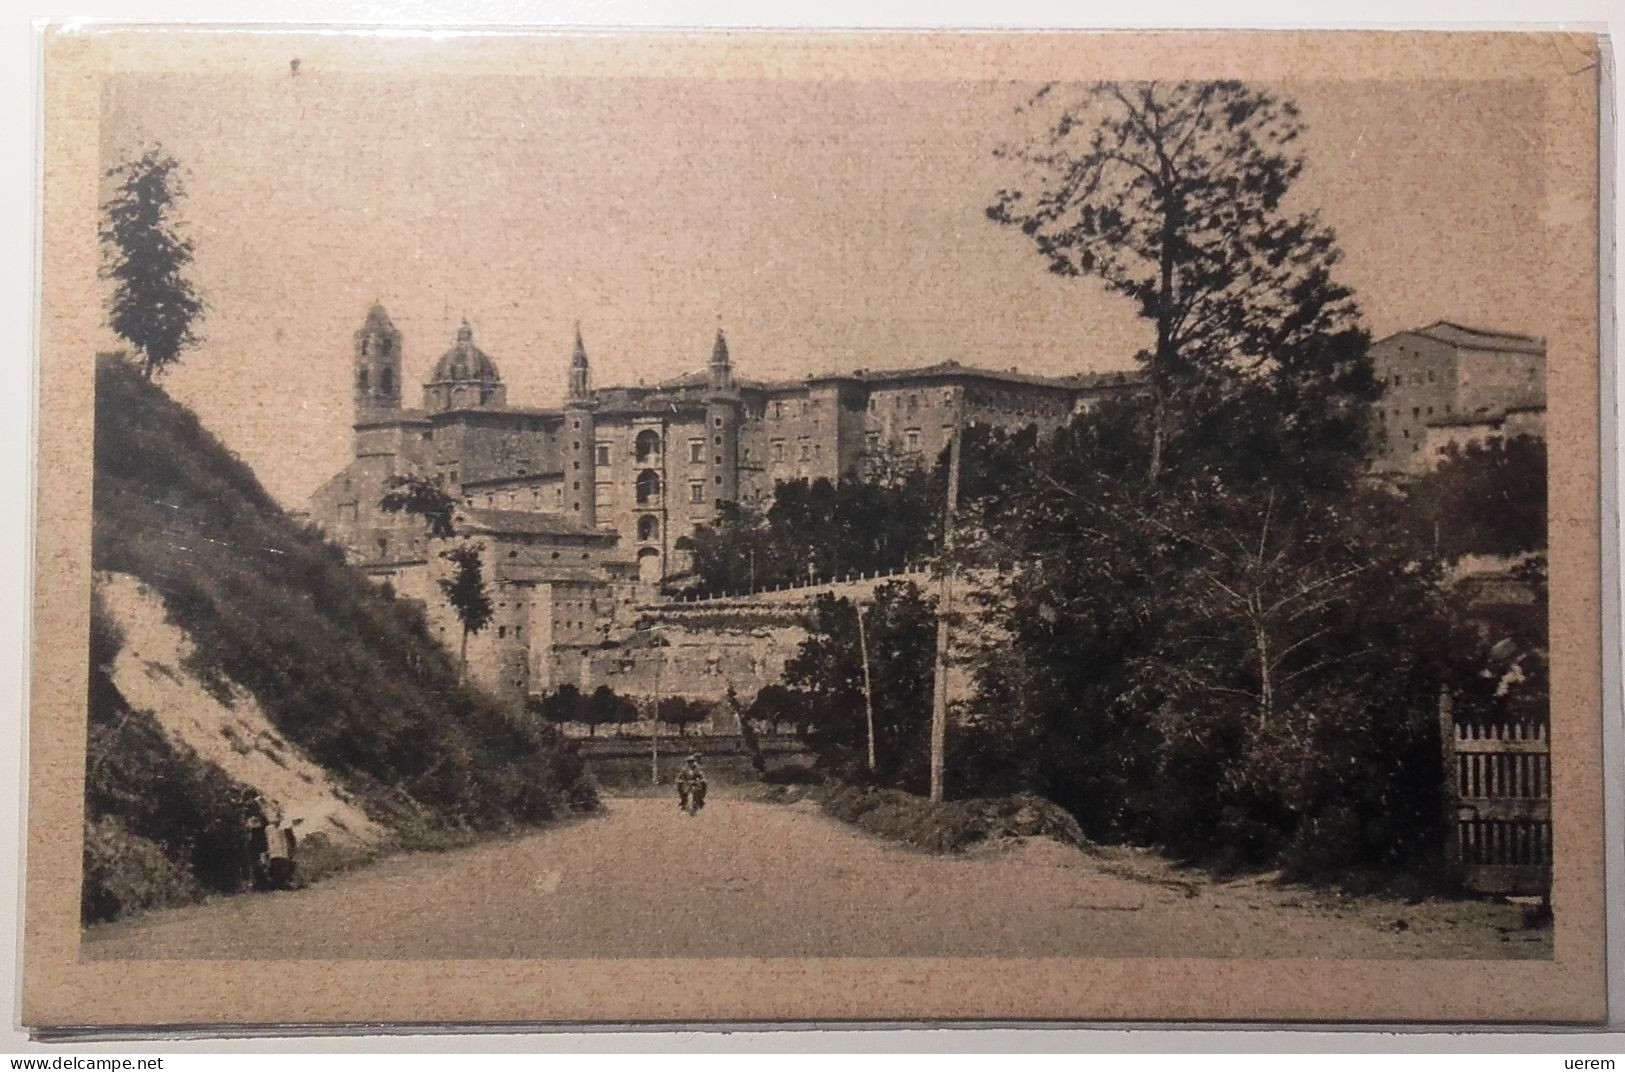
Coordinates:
[1498,782]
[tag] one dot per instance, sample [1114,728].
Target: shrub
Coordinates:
[124,871]
[949,826]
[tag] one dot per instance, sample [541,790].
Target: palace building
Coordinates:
[579,509]
[1449,385]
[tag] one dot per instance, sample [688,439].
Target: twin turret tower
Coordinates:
[581,468]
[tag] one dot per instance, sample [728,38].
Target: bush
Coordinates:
[952,825]
[124,872]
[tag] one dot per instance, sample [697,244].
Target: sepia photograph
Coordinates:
[859,503]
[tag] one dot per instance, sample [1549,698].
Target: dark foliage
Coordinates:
[604,707]
[465,592]
[821,529]
[827,672]
[1487,499]
[682,713]
[419,496]
[154,306]
[949,826]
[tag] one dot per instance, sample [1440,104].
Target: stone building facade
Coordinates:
[1447,383]
[579,509]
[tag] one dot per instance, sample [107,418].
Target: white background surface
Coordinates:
[18,209]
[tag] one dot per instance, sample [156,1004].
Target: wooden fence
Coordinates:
[1498,800]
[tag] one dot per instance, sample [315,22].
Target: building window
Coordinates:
[719,480]
[696,492]
[806,452]
[603,454]
[873,405]
[647,445]
[648,486]
[361,378]
[717,440]
[696,450]
[386,380]
[716,422]
[1430,375]
[502,631]
[913,402]
[1398,379]
[778,450]
[604,494]
[648,528]
[912,438]
[778,411]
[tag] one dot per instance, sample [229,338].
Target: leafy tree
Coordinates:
[777,705]
[827,672]
[465,591]
[821,528]
[419,496]
[1174,196]
[1489,498]
[563,704]
[606,708]
[154,306]
[680,712]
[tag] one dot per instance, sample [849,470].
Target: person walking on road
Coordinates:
[691,785]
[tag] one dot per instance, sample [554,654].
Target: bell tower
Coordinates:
[580,440]
[722,425]
[377,367]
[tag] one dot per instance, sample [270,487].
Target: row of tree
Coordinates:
[605,707]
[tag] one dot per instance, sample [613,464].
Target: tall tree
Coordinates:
[154,305]
[1174,195]
[465,591]
[827,671]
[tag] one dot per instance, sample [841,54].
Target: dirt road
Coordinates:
[751,879]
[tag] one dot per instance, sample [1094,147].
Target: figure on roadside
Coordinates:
[271,841]
[691,785]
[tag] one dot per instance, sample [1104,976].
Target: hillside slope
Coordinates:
[276,670]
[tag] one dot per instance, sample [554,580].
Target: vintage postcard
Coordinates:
[727,527]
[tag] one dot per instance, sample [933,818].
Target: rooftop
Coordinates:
[526,523]
[513,478]
[1472,338]
[1082,380]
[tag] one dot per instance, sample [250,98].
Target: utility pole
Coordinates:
[939,695]
[868,688]
[654,730]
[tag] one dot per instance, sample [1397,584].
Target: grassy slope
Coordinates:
[344,671]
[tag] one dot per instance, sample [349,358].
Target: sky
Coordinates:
[825,225]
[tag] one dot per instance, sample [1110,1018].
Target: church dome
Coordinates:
[465,361]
